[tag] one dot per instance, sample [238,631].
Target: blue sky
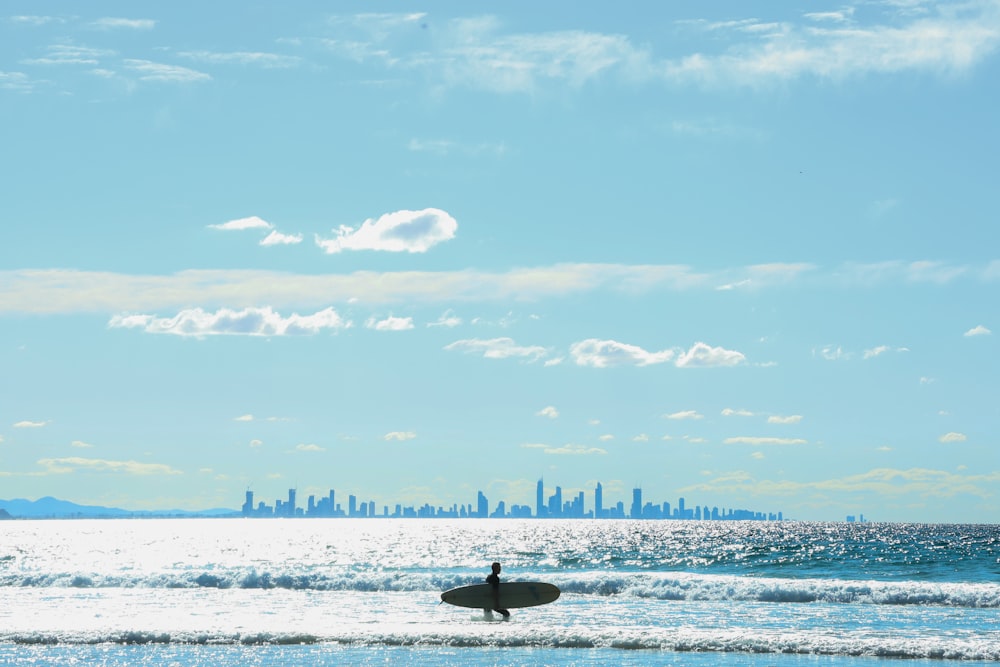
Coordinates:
[739,253]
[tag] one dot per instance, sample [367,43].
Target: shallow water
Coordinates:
[366,591]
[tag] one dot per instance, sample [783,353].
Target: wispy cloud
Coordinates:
[80,444]
[120,23]
[70,54]
[402,231]
[888,482]
[730,412]
[15,81]
[35,20]
[309,447]
[256,58]
[252,222]
[498,348]
[74,464]
[565,450]
[390,323]
[832,353]
[788,419]
[29,424]
[277,238]
[479,52]
[978,330]
[247,322]
[68,291]
[605,353]
[952,41]
[757,441]
[882,349]
[952,437]
[400,436]
[443,147]
[684,414]
[548,411]
[163,73]
[448,319]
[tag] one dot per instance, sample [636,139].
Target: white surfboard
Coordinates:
[513,595]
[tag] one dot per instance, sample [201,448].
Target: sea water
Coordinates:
[267,592]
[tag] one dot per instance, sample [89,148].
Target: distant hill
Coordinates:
[54,508]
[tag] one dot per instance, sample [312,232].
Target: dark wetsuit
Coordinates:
[493,579]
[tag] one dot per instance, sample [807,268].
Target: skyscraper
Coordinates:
[598,501]
[540,499]
[636,503]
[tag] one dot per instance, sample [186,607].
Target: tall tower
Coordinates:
[637,503]
[540,499]
[598,501]
[291,502]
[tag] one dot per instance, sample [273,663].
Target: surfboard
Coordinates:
[513,595]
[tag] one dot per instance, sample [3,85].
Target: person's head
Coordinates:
[496,568]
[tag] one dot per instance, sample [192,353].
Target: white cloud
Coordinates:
[882,349]
[978,330]
[400,436]
[832,353]
[685,414]
[702,355]
[277,238]
[789,419]
[952,437]
[566,450]
[252,222]
[35,20]
[642,437]
[953,41]
[246,322]
[15,81]
[75,464]
[747,440]
[244,418]
[390,323]
[80,444]
[840,16]
[447,319]
[607,437]
[261,59]
[150,71]
[130,24]
[72,291]
[402,231]
[886,482]
[479,53]
[310,447]
[256,443]
[497,348]
[548,411]
[29,424]
[730,412]
[604,353]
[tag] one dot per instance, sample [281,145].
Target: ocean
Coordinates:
[269,592]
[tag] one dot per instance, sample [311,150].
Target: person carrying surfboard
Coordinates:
[494,580]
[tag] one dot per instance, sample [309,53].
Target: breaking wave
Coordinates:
[656,586]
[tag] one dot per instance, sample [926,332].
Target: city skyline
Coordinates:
[749,254]
[553,506]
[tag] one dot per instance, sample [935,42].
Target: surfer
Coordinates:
[494,580]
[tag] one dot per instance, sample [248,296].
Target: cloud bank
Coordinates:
[246,322]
